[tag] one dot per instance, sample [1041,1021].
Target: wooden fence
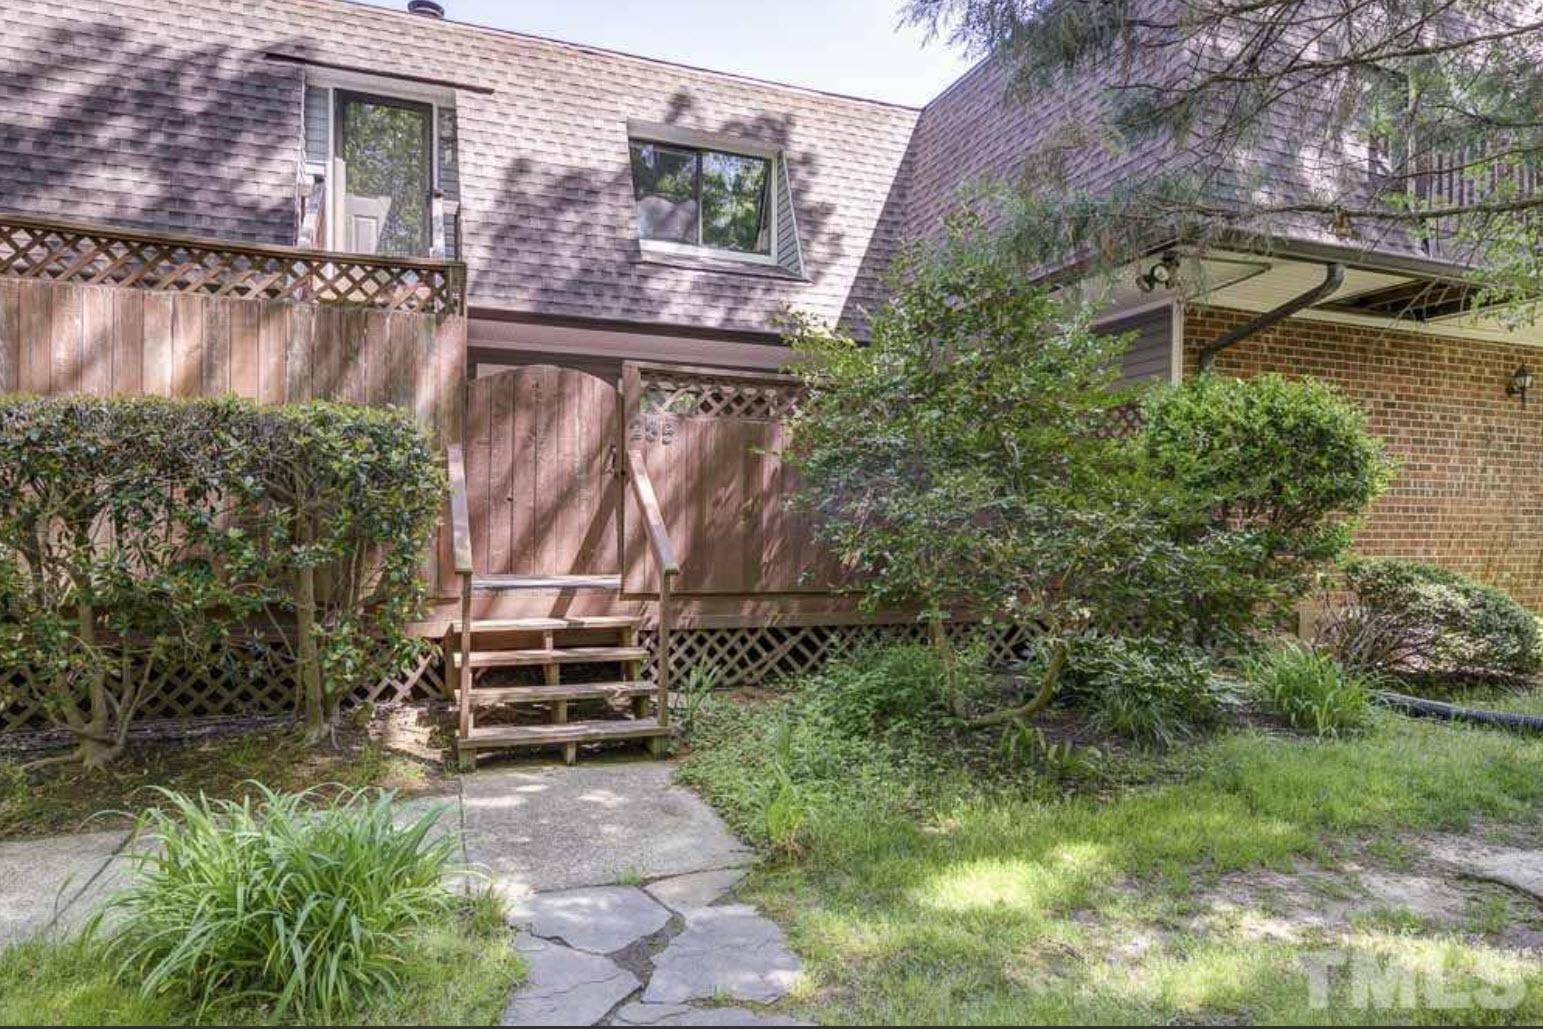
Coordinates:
[96,310]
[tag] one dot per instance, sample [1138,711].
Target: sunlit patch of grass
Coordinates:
[1002,909]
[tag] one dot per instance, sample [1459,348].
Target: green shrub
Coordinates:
[1435,621]
[880,688]
[1310,690]
[308,909]
[1148,690]
[137,534]
[1262,480]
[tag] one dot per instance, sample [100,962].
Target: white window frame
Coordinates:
[670,135]
[332,81]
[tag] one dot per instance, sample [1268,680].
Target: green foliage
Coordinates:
[879,689]
[1263,481]
[1149,690]
[118,549]
[966,461]
[1439,622]
[959,460]
[1310,690]
[306,909]
[351,497]
[697,694]
[861,736]
[137,533]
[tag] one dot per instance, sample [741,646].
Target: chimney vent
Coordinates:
[427,8]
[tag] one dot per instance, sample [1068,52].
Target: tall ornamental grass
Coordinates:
[307,908]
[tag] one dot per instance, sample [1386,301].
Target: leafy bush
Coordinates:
[877,689]
[139,533]
[1262,481]
[351,495]
[1152,691]
[118,553]
[307,909]
[835,745]
[1310,690]
[1407,617]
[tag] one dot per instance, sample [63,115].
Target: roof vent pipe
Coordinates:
[427,8]
[1333,278]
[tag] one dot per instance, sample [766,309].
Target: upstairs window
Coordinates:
[697,198]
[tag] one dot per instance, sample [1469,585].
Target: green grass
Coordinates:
[956,905]
[456,973]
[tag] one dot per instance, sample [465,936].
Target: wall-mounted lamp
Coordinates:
[1164,273]
[1521,382]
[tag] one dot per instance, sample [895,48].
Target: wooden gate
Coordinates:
[711,441]
[541,472]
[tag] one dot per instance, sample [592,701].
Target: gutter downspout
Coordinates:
[1333,278]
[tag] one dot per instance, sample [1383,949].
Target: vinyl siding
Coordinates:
[1151,349]
[788,254]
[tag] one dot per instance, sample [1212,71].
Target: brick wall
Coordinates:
[1469,491]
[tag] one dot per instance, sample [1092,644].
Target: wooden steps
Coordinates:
[501,736]
[480,648]
[548,624]
[488,696]
[552,656]
[508,583]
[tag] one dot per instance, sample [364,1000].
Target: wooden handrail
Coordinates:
[669,568]
[460,519]
[653,518]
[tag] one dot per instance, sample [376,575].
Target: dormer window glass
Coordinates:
[705,199]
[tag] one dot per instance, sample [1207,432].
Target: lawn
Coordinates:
[1199,886]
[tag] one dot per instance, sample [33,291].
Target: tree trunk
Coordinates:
[1048,683]
[308,662]
[945,648]
[95,748]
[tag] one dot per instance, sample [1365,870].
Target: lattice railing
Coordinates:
[250,679]
[106,256]
[756,655]
[705,393]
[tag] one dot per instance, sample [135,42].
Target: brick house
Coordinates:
[612,208]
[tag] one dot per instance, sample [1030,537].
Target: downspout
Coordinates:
[1333,278]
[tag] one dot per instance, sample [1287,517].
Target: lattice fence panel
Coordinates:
[756,655]
[100,257]
[704,395]
[249,679]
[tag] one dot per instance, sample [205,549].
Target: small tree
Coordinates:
[351,496]
[969,462]
[965,461]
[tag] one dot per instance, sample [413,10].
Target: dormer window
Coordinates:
[711,197]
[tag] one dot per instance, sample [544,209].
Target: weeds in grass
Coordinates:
[306,908]
[1310,689]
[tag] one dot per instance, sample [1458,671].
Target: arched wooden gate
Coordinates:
[540,471]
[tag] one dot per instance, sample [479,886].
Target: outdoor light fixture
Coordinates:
[1521,382]
[1164,273]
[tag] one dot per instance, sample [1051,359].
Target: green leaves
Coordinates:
[303,906]
[139,532]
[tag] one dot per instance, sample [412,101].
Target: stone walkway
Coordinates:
[619,883]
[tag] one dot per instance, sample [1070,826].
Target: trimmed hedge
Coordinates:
[137,532]
[1447,625]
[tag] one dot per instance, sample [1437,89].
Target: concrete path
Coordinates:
[619,883]
[54,884]
[620,886]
